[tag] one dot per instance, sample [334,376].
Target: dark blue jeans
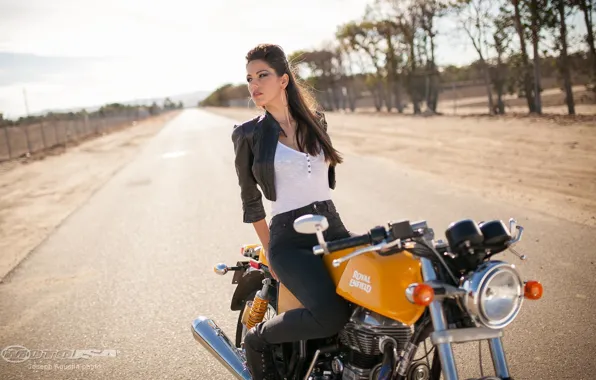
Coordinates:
[304,274]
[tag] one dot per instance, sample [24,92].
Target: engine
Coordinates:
[362,336]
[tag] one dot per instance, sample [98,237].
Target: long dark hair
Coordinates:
[310,132]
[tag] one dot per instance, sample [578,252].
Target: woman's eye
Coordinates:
[263,75]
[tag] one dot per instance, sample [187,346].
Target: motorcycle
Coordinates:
[403,287]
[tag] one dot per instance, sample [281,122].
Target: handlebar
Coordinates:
[398,231]
[338,245]
[371,248]
[417,238]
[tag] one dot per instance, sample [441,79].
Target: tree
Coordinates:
[525,65]
[362,36]
[217,98]
[168,104]
[474,17]
[563,57]
[501,40]
[154,109]
[429,11]
[587,7]
[322,65]
[536,7]
[408,23]
[347,62]
[388,30]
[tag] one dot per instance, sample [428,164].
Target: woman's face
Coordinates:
[264,85]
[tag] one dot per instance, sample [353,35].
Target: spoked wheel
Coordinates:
[426,364]
[241,330]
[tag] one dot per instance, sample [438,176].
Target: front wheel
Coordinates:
[425,364]
[241,329]
[424,368]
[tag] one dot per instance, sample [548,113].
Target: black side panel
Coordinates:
[250,282]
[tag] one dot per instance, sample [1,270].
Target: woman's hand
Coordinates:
[262,231]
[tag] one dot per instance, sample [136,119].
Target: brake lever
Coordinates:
[337,262]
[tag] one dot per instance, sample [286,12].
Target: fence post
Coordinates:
[454,98]
[43,135]
[87,127]
[53,122]
[26,128]
[7,141]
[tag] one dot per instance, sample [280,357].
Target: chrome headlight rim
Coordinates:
[475,286]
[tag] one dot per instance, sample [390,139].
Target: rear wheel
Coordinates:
[241,329]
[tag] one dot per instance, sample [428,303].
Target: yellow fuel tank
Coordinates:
[378,283]
[375,282]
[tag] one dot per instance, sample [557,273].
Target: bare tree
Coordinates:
[408,21]
[325,73]
[430,10]
[536,7]
[527,78]
[475,19]
[563,57]
[587,7]
[363,36]
[355,65]
[501,40]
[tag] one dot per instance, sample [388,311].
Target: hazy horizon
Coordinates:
[76,53]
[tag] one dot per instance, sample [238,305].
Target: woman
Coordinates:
[288,153]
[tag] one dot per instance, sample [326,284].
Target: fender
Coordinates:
[250,281]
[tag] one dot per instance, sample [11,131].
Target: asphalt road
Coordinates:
[132,267]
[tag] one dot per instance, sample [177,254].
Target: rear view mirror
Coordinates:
[310,224]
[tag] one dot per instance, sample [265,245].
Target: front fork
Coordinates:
[444,342]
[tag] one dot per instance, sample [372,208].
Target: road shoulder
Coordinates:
[36,197]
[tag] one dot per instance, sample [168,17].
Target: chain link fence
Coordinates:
[22,140]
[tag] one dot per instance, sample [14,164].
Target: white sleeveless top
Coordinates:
[300,179]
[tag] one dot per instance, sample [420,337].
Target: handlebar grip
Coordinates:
[353,241]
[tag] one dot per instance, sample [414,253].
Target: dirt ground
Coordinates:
[36,195]
[546,164]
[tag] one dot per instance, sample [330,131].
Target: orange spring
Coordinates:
[257,312]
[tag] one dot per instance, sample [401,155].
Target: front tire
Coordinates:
[424,368]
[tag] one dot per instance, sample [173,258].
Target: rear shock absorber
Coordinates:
[259,305]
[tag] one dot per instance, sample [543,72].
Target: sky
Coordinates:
[76,53]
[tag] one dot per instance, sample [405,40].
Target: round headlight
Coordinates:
[494,294]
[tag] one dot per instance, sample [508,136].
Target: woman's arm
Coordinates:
[252,204]
[262,231]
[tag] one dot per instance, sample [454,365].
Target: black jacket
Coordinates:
[255,143]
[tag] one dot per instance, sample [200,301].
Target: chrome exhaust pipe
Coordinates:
[206,332]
